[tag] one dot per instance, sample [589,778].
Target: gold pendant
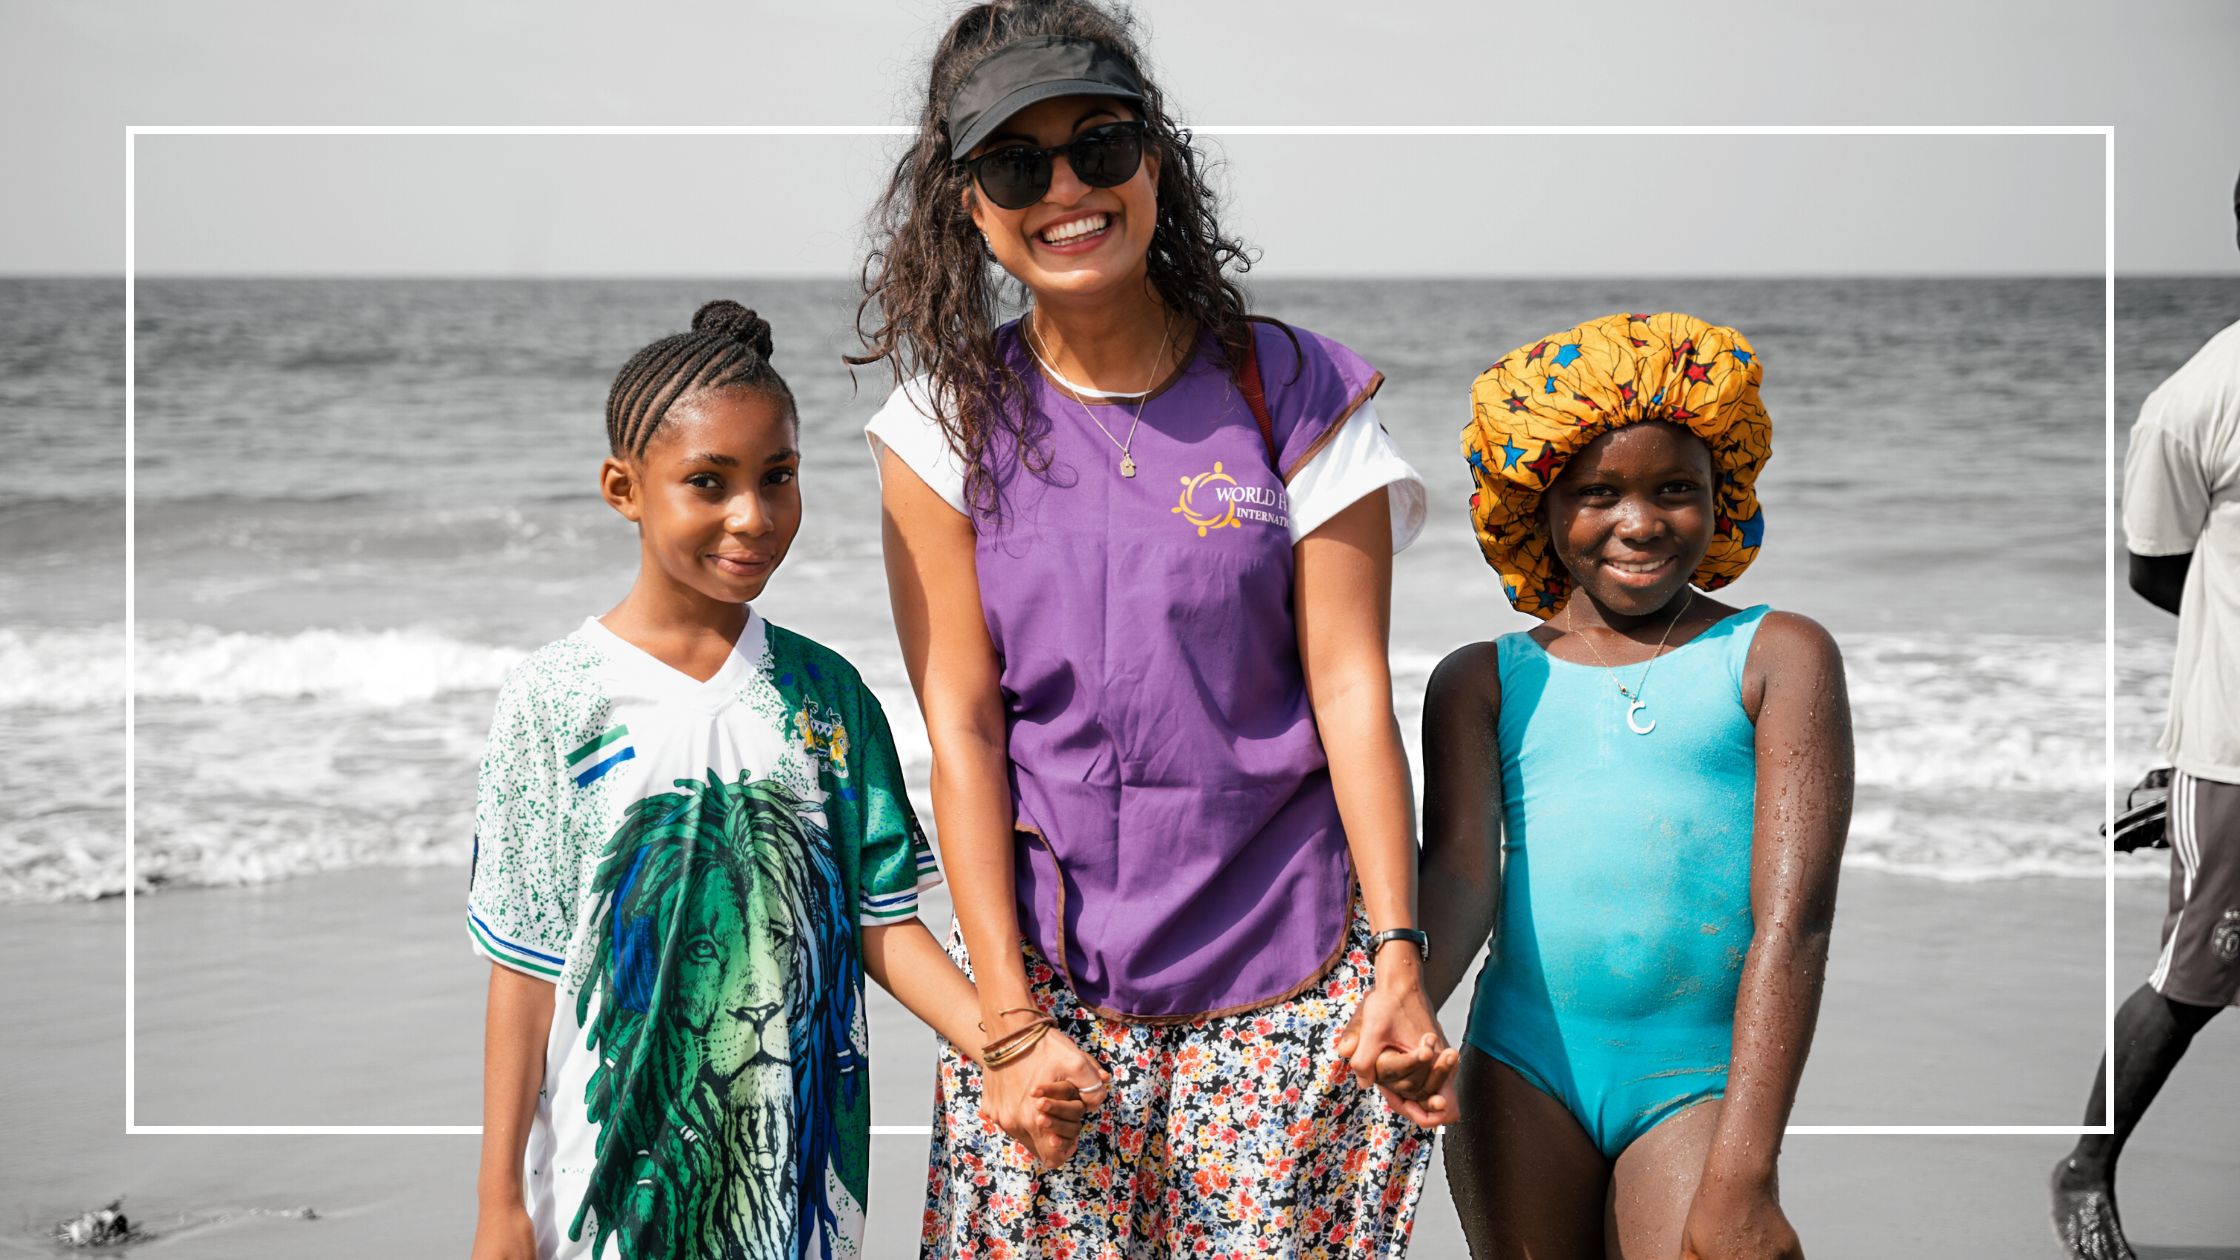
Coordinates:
[1127,465]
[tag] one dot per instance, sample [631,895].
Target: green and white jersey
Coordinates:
[689,863]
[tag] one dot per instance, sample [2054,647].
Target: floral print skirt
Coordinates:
[1238,1135]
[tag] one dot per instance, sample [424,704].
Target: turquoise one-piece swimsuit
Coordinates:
[1625,887]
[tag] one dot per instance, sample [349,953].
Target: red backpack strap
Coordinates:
[1256,396]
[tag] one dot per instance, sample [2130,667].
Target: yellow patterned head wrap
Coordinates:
[1544,402]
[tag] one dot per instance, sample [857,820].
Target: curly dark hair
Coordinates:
[931,294]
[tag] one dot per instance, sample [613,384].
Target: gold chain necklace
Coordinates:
[1634,693]
[1142,397]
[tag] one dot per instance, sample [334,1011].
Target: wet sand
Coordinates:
[352,1000]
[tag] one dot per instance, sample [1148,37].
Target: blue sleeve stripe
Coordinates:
[889,907]
[498,940]
[504,957]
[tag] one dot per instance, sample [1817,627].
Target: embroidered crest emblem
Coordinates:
[2226,938]
[823,737]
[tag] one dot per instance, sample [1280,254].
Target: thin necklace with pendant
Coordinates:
[1633,694]
[1142,397]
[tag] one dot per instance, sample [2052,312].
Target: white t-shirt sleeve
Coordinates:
[905,425]
[521,899]
[2166,491]
[1360,459]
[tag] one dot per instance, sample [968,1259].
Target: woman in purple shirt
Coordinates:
[1139,547]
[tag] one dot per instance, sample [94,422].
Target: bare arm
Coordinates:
[1803,813]
[1461,813]
[905,960]
[933,581]
[1343,603]
[516,1027]
[1344,607]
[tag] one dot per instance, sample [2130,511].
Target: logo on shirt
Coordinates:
[823,736]
[2226,939]
[1214,500]
[589,763]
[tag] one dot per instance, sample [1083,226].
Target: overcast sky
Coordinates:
[72,75]
[1391,205]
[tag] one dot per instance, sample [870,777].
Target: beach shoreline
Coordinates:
[352,999]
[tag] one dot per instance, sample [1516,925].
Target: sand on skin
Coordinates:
[351,999]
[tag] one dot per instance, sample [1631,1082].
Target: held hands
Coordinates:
[1394,1043]
[1737,1219]
[1043,1097]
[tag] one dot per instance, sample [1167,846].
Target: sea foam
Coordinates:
[75,669]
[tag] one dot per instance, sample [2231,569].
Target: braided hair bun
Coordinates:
[726,318]
[728,348]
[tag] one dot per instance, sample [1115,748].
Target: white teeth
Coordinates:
[1064,232]
[1639,566]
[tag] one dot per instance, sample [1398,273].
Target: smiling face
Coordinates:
[716,494]
[1631,516]
[1078,242]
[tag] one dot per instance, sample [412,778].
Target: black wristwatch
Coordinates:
[1412,935]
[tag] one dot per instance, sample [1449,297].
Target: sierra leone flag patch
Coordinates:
[597,756]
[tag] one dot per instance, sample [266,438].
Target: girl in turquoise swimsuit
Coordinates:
[1667,781]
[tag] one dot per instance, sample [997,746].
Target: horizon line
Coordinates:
[1247,281]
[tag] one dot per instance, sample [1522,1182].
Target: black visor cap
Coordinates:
[1027,73]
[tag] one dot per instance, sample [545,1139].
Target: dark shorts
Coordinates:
[2200,962]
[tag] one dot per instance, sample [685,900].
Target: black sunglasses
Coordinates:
[1017,176]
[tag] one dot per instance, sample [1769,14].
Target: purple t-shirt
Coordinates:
[1179,847]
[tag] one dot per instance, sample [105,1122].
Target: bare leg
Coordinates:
[1527,1181]
[2152,1034]
[1655,1183]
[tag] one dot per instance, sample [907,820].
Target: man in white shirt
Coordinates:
[2181,524]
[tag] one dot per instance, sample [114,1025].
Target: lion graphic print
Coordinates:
[690,862]
[721,900]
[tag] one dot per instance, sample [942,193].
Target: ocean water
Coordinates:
[358,502]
